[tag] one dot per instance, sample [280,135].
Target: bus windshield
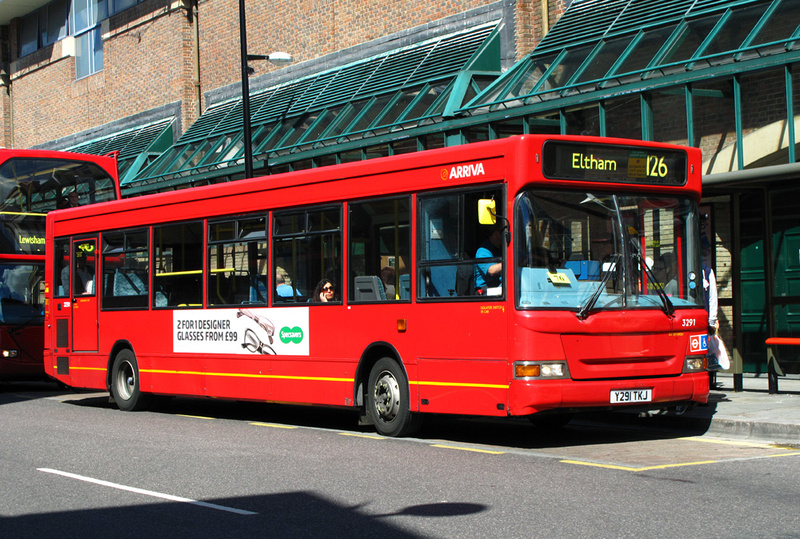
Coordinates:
[588,252]
[22,294]
[32,186]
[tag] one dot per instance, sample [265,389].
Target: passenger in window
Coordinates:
[324,291]
[84,277]
[387,277]
[72,199]
[664,270]
[489,276]
[281,288]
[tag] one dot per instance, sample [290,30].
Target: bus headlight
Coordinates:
[694,364]
[8,353]
[540,369]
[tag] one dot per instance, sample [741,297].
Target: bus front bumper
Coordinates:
[528,397]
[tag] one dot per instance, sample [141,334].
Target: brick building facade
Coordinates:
[170,53]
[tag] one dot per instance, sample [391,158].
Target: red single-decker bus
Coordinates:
[533,276]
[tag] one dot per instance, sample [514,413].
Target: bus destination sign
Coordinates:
[612,163]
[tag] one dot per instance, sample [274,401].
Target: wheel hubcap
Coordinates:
[125,381]
[387,396]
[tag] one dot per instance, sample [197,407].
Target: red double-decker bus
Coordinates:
[514,277]
[32,183]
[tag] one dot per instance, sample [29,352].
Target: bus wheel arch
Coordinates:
[124,380]
[386,393]
[369,357]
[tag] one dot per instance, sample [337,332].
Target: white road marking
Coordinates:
[146,492]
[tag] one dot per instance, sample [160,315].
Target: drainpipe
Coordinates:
[6,81]
[198,108]
[545,17]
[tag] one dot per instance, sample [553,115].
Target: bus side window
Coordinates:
[307,248]
[237,267]
[379,249]
[61,273]
[178,259]
[457,257]
[126,266]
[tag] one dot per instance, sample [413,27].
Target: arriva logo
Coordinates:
[289,335]
[463,171]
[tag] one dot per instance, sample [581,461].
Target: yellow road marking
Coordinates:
[370,436]
[274,425]
[194,416]
[469,449]
[728,442]
[795,453]
[633,469]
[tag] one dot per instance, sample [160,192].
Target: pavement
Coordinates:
[753,414]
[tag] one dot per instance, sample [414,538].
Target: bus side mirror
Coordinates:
[487,211]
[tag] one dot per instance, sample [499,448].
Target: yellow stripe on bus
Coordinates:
[291,377]
[459,384]
[244,375]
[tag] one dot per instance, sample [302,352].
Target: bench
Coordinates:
[773,369]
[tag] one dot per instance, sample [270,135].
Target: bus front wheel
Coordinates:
[388,399]
[125,383]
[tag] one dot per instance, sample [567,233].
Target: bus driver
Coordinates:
[488,276]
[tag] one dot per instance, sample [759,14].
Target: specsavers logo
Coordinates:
[462,171]
[291,335]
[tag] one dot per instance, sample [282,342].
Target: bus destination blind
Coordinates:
[613,164]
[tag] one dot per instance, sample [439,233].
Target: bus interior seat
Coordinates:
[405,286]
[126,284]
[440,281]
[258,292]
[369,288]
[465,280]
[161,299]
[584,269]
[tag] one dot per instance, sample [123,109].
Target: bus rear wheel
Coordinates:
[125,383]
[388,400]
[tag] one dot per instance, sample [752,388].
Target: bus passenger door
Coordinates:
[83,272]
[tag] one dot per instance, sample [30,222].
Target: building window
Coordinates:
[43,27]
[85,18]
[115,6]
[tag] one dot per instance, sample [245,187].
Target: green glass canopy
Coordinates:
[388,93]
[598,46]
[137,147]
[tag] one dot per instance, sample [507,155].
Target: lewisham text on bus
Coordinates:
[32,183]
[532,276]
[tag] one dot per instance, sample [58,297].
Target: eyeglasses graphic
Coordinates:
[253,344]
[263,323]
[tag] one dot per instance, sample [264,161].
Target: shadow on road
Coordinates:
[606,427]
[286,515]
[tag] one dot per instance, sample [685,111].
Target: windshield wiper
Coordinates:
[668,307]
[583,313]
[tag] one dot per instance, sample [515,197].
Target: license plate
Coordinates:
[619,396]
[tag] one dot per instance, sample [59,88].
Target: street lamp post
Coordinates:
[275,57]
